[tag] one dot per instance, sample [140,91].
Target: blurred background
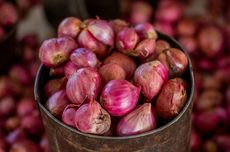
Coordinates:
[201,26]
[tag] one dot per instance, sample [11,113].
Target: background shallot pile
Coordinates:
[21,128]
[206,37]
[109,78]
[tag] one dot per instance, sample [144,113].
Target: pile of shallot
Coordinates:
[113,79]
[8,18]
[21,128]
[206,38]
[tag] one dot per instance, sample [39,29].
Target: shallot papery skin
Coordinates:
[102,31]
[144,48]
[83,57]
[70,68]
[169,11]
[86,40]
[8,15]
[118,25]
[55,51]
[172,98]
[126,62]
[68,115]
[57,71]
[54,85]
[25,146]
[126,40]
[19,74]
[26,106]
[206,122]
[32,123]
[160,46]
[186,27]
[175,60]
[195,142]
[92,118]
[141,12]
[84,83]
[140,120]
[150,77]
[146,31]
[119,97]
[57,103]
[70,26]
[208,99]
[211,41]
[111,71]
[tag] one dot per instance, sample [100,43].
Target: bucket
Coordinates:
[172,137]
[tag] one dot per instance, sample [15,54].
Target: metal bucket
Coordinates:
[8,50]
[172,137]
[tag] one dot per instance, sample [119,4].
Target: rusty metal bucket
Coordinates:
[172,137]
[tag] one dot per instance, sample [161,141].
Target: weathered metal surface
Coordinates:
[172,137]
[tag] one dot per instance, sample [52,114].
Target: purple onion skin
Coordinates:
[3,145]
[44,144]
[223,142]
[70,26]
[19,74]
[68,115]
[83,57]
[32,124]
[160,46]
[56,51]
[57,103]
[145,31]
[25,146]
[141,12]
[107,74]
[140,120]
[86,40]
[186,27]
[92,118]
[126,62]
[54,85]
[118,25]
[8,15]
[119,97]
[150,77]
[26,106]
[210,40]
[102,31]
[175,60]
[16,135]
[190,44]
[144,48]
[69,69]
[172,98]
[169,11]
[126,40]
[165,27]
[195,142]
[84,83]
[12,123]
[206,122]
[57,72]
[208,100]
[7,106]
